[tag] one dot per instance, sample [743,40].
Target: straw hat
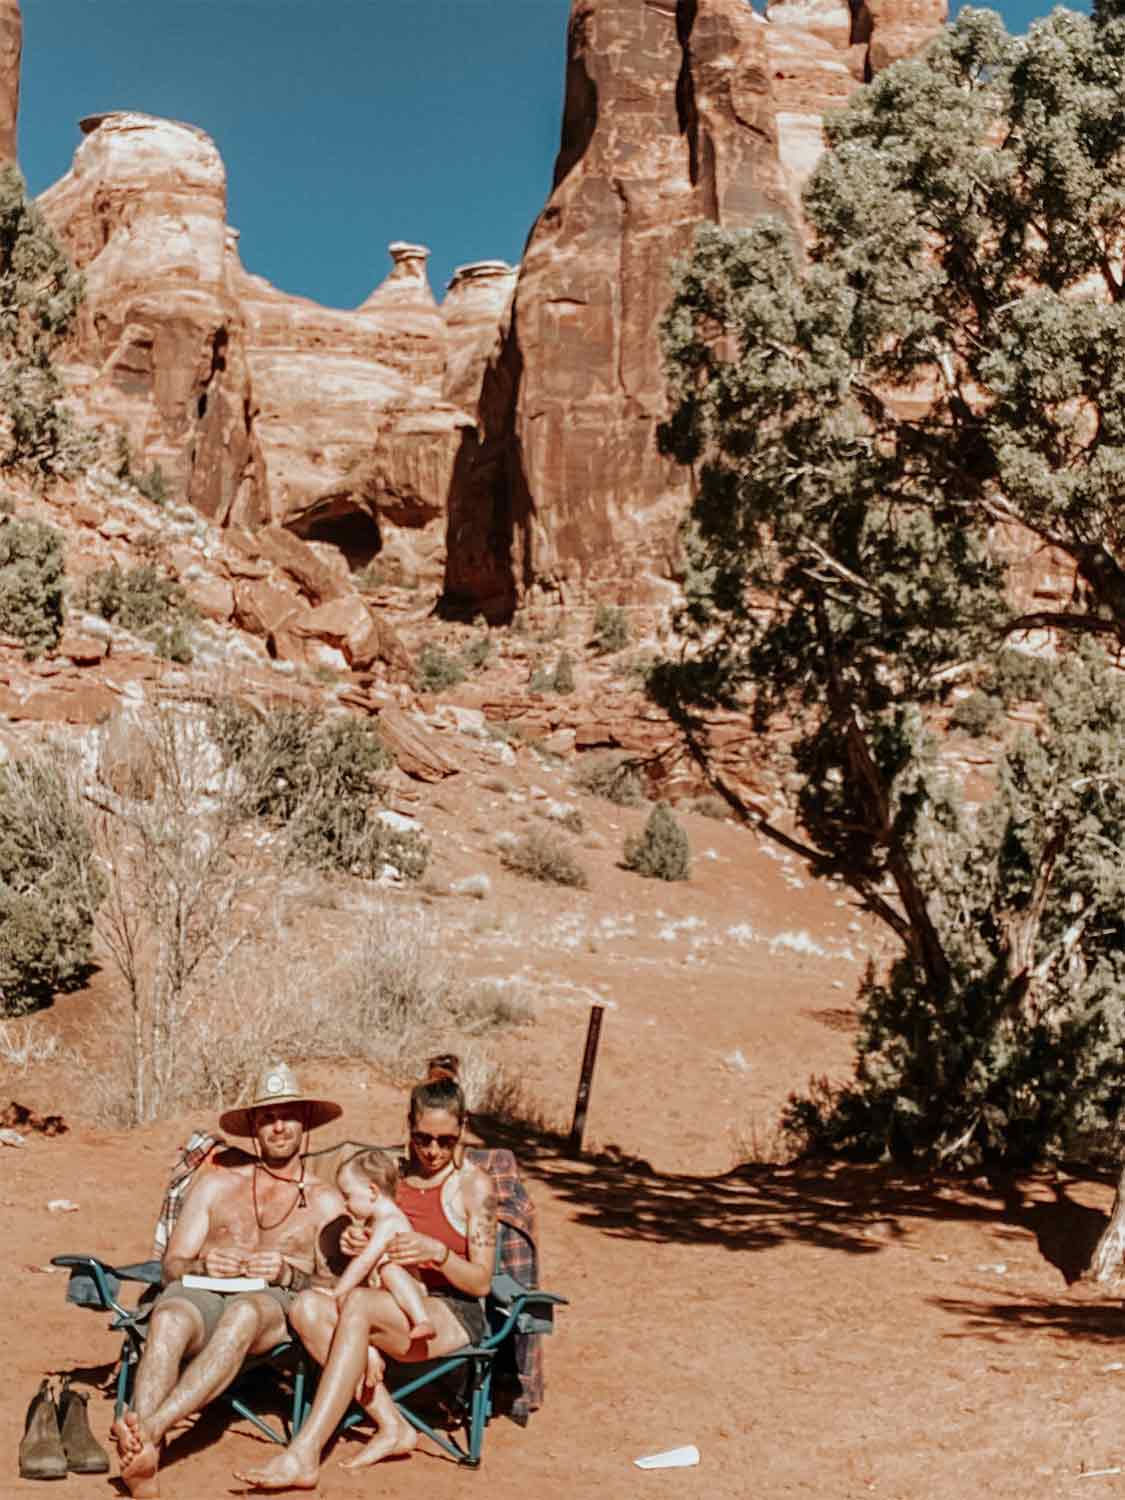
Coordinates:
[277,1084]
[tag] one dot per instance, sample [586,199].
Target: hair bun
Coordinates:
[444,1065]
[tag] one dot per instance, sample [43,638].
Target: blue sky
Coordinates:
[344,124]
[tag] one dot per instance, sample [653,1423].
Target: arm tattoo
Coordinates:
[482,1228]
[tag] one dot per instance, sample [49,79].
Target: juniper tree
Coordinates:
[944,359]
[40,293]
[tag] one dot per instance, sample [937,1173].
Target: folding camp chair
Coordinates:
[466,1379]
[97,1285]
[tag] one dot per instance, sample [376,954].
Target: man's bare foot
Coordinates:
[288,1471]
[394,1442]
[126,1437]
[422,1330]
[139,1467]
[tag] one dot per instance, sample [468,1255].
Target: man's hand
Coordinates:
[268,1264]
[223,1262]
[415,1250]
[354,1238]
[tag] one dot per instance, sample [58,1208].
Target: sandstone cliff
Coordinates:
[11,47]
[675,112]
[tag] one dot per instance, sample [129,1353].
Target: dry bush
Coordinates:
[540,856]
[393,998]
[613,777]
[23,1045]
[499,1095]
[756,1144]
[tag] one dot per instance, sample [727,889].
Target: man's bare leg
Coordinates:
[407,1292]
[366,1315]
[175,1333]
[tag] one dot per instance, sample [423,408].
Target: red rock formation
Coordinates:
[674,113]
[11,46]
[143,214]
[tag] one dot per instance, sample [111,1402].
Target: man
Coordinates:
[268,1218]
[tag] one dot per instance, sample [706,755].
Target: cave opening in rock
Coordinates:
[355,532]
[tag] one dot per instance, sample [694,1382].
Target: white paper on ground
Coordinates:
[674,1458]
[226,1283]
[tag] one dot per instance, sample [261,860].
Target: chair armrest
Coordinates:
[94,1283]
[527,1308]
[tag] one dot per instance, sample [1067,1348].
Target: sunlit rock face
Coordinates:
[161,347]
[674,113]
[11,46]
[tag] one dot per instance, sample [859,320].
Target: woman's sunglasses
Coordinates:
[423,1138]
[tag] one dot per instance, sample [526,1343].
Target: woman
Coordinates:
[451,1206]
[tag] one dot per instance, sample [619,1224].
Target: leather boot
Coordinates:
[41,1451]
[84,1455]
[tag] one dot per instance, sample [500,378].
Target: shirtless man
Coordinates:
[269,1218]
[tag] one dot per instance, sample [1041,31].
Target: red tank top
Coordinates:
[422,1206]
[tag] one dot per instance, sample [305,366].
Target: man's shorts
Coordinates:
[210,1305]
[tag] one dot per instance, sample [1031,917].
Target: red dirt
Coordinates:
[839,1334]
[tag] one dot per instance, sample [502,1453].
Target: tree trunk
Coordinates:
[1105,1263]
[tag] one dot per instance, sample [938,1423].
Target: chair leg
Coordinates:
[479,1412]
[297,1420]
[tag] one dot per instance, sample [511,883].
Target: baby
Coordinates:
[368,1183]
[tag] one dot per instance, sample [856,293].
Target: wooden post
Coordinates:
[582,1098]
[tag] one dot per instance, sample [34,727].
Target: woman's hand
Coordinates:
[354,1238]
[416,1250]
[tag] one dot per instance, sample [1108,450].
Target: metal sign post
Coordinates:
[582,1098]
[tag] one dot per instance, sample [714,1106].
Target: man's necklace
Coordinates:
[298,1202]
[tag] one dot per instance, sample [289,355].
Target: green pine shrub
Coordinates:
[146,604]
[662,851]
[562,679]
[611,630]
[31,583]
[321,779]
[539,855]
[437,670]
[49,886]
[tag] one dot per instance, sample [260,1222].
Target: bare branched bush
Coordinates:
[538,855]
[23,1045]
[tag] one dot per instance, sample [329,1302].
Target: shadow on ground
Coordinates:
[1091,1322]
[858,1210]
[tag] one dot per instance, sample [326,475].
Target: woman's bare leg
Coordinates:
[365,1315]
[393,1437]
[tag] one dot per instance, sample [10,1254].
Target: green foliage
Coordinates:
[709,807]
[978,714]
[40,294]
[31,583]
[437,670]
[611,630]
[319,778]
[478,653]
[539,855]
[562,680]
[49,887]
[946,357]
[146,604]
[153,486]
[1021,1054]
[613,777]
[557,679]
[662,850]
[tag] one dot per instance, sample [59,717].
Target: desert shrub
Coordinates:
[319,778]
[153,486]
[636,670]
[31,583]
[613,777]
[562,679]
[146,604]
[478,652]
[709,807]
[437,670]
[49,886]
[541,856]
[977,714]
[611,630]
[662,851]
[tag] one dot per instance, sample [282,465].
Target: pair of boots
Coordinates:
[57,1436]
